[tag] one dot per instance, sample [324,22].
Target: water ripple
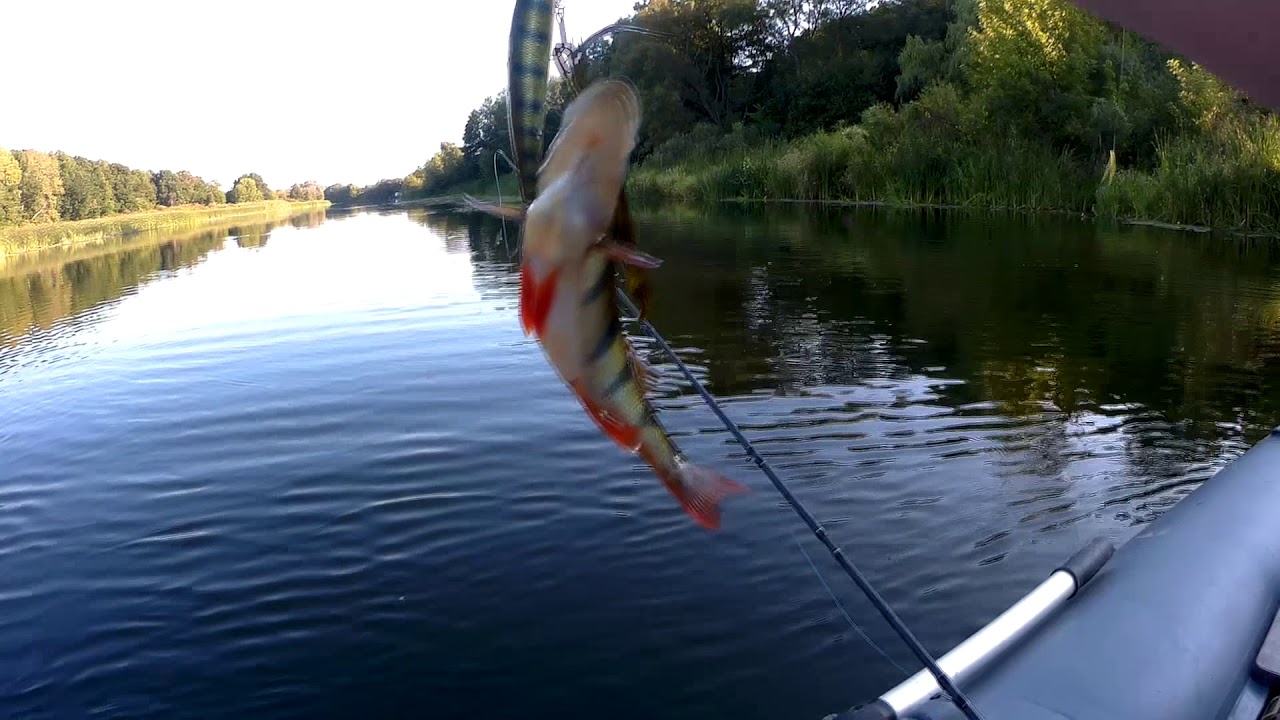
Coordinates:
[329,476]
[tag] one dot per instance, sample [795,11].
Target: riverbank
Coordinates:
[26,238]
[1229,182]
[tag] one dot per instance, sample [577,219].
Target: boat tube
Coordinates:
[1180,624]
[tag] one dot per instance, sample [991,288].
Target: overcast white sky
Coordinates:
[341,92]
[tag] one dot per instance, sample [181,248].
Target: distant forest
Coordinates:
[1026,104]
[38,187]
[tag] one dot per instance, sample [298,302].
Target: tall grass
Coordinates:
[1228,178]
[482,188]
[935,151]
[846,166]
[15,240]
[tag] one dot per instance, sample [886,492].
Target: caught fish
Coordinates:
[528,55]
[623,231]
[567,276]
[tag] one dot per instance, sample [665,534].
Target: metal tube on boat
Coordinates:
[996,636]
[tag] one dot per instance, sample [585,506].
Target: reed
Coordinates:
[931,153]
[25,238]
[1229,178]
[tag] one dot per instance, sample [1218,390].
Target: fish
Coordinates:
[528,55]
[567,276]
[637,281]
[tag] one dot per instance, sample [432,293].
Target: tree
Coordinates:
[86,189]
[168,188]
[213,194]
[1032,61]
[306,191]
[133,190]
[244,191]
[715,43]
[262,185]
[341,195]
[40,186]
[485,133]
[10,189]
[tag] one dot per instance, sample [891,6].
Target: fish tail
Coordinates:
[700,491]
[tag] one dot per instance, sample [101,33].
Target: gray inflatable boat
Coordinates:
[1179,624]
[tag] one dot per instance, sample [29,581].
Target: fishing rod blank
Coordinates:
[944,682]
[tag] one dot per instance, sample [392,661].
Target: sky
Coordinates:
[351,92]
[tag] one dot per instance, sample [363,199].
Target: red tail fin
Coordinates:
[700,491]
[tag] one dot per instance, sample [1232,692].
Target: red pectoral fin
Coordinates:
[535,299]
[627,436]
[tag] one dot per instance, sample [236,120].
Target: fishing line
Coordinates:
[497,183]
[956,695]
[840,607]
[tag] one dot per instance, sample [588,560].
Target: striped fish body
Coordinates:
[528,58]
[583,340]
[567,282]
[527,82]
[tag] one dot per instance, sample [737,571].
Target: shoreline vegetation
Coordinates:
[49,199]
[1021,105]
[21,239]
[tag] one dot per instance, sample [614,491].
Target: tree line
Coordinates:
[39,187]
[1019,103]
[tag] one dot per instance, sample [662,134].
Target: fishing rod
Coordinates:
[957,696]
[944,682]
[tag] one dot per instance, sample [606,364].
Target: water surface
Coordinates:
[317,471]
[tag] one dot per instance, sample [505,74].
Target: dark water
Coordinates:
[318,472]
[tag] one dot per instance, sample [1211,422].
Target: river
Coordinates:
[315,470]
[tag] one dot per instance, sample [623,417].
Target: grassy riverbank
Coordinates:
[1230,180]
[1027,105]
[16,240]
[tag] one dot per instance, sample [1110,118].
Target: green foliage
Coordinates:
[10,189]
[981,103]
[15,240]
[133,190]
[341,195]
[933,152]
[306,191]
[1031,65]
[382,192]
[86,188]
[485,133]
[37,187]
[40,186]
[1206,101]
[1227,178]
[262,185]
[246,190]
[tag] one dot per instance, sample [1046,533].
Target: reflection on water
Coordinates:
[319,472]
[1120,363]
[1036,316]
[39,289]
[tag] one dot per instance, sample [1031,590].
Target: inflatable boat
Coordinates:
[1179,623]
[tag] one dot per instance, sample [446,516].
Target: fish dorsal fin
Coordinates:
[598,132]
